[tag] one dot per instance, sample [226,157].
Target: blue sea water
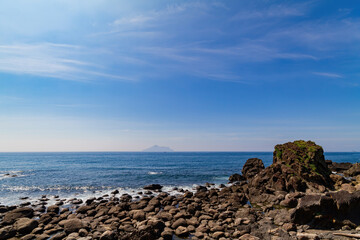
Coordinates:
[90,174]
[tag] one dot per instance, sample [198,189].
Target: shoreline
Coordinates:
[297,197]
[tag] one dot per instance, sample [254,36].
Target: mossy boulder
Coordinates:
[305,159]
[297,166]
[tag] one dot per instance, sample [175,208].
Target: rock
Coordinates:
[153,187]
[7,232]
[182,232]
[25,225]
[347,187]
[348,206]
[338,167]
[353,171]
[12,216]
[115,192]
[29,237]
[236,178]
[297,166]
[83,232]
[179,222]
[83,209]
[53,208]
[72,225]
[311,205]
[289,227]
[138,215]
[59,236]
[108,235]
[289,202]
[218,235]
[77,201]
[248,237]
[252,167]
[42,237]
[167,234]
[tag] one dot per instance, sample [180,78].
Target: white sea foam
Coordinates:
[11,174]
[82,193]
[155,173]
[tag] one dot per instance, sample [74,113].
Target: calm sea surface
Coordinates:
[84,175]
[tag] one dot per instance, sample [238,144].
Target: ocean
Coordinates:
[93,174]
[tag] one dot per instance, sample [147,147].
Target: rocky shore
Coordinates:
[300,196]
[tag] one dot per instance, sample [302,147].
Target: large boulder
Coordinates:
[12,216]
[25,225]
[153,187]
[297,166]
[72,225]
[331,210]
[353,171]
[252,167]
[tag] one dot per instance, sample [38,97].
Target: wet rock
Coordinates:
[53,208]
[77,201]
[115,192]
[252,167]
[153,187]
[15,214]
[25,225]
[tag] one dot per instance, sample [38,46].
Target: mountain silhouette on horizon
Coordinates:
[157,148]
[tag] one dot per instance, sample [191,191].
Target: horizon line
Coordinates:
[141,151]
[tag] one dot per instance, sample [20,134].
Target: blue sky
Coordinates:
[192,75]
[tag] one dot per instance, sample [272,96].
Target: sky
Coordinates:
[206,75]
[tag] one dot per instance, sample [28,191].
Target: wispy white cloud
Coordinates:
[256,52]
[272,11]
[60,61]
[328,74]
[140,19]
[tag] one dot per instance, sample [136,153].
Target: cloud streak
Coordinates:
[327,74]
[61,61]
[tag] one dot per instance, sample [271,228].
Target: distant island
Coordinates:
[157,148]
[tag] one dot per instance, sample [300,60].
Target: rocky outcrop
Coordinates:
[297,166]
[338,167]
[236,178]
[252,167]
